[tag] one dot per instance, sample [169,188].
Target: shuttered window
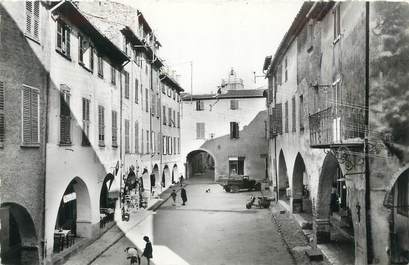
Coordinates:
[174,145]
[170,117]
[158,106]
[100,66]
[164,144]
[174,119]
[85,122]
[126,136]
[136,91]
[279,118]
[101,126]
[2,114]
[163,88]
[199,105]
[147,99]
[153,104]
[147,141]
[65,117]
[63,38]
[286,117]
[293,111]
[114,128]
[136,137]
[113,75]
[200,130]
[301,112]
[164,115]
[234,130]
[33,19]
[30,116]
[126,77]
[178,119]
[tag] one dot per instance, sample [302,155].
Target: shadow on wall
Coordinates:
[251,144]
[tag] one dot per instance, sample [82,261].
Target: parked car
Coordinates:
[240,182]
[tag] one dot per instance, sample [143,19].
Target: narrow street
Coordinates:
[213,228]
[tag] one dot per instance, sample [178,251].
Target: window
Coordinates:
[142,142]
[30,116]
[153,104]
[174,95]
[164,115]
[163,88]
[85,53]
[126,77]
[136,137]
[85,122]
[147,99]
[153,142]
[33,19]
[170,117]
[403,206]
[100,67]
[234,130]
[234,104]
[174,119]
[286,117]
[170,145]
[2,115]
[293,120]
[174,145]
[337,22]
[236,165]
[199,105]
[114,128]
[136,91]
[200,130]
[285,70]
[126,136]
[278,118]
[101,126]
[301,113]
[158,106]
[147,141]
[63,38]
[178,119]
[164,144]
[65,116]
[113,75]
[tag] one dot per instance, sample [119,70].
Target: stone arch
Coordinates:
[104,200]
[19,244]
[165,176]
[175,173]
[74,212]
[283,182]
[200,163]
[300,196]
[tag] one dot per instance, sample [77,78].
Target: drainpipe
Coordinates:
[367,173]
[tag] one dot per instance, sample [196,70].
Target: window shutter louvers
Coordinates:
[36,21]
[29,13]
[26,115]
[34,116]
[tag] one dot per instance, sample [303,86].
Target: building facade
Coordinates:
[225,133]
[79,103]
[330,85]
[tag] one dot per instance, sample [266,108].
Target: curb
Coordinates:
[161,201]
[108,247]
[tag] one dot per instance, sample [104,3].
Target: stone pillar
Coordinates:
[296,201]
[29,255]
[322,231]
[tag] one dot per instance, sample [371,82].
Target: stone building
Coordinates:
[337,113]
[225,133]
[71,95]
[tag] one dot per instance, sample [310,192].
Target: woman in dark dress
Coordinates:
[147,252]
[183,195]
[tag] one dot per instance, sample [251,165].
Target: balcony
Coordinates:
[343,125]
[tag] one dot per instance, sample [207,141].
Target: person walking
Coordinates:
[173,195]
[147,252]
[183,195]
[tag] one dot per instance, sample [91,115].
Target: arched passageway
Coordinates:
[200,165]
[18,237]
[175,174]
[283,182]
[107,201]
[397,200]
[334,219]
[165,176]
[74,215]
[300,201]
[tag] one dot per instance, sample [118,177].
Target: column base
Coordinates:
[296,205]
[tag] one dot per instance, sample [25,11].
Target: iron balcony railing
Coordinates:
[321,127]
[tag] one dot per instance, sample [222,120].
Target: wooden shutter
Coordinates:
[26,131]
[147,99]
[101,134]
[279,118]
[35,103]
[67,40]
[170,116]
[2,114]
[65,118]
[29,15]
[36,21]
[114,128]
[236,130]
[136,91]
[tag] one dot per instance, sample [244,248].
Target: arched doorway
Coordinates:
[165,176]
[18,237]
[74,214]
[175,174]
[155,173]
[300,199]
[334,219]
[200,165]
[106,202]
[397,199]
[283,182]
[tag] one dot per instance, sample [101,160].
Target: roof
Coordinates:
[102,43]
[231,94]
[316,10]
[165,78]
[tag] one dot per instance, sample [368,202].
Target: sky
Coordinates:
[216,35]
